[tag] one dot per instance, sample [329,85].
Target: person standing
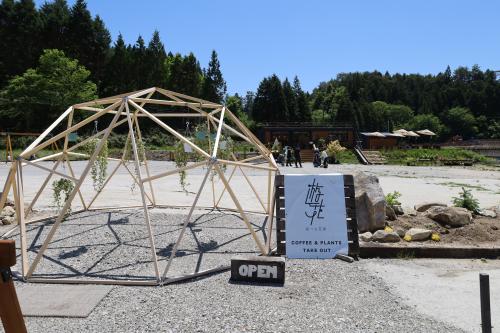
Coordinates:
[296,153]
[288,156]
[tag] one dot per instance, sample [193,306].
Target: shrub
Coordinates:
[59,187]
[392,198]
[466,200]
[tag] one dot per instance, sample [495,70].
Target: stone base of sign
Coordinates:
[258,269]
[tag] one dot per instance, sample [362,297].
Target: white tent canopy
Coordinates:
[426,132]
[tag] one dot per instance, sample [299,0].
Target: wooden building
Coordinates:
[378,140]
[290,133]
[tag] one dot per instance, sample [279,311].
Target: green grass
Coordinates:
[402,156]
[347,157]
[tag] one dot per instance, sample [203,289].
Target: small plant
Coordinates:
[333,148]
[60,187]
[467,201]
[406,255]
[435,237]
[407,238]
[388,229]
[392,198]
[100,165]
[181,159]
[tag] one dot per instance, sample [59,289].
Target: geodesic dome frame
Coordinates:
[127,109]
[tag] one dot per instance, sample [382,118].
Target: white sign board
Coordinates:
[188,148]
[315,216]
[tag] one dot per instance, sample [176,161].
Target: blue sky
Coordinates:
[314,39]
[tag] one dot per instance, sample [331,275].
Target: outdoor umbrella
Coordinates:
[402,132]
[411,133]
[426,132]
[377,134]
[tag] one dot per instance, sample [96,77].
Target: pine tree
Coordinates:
[19,28]
[155,62]
[139,66]
[214,87]
[303,110]
[117,79]
[291,100]
[100,49]
[88,40]
[270,103]
[54,17]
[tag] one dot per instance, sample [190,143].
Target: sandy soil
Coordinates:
[483,231]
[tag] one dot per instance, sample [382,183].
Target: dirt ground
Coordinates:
[482,232]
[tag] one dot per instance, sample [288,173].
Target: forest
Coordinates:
[58,55]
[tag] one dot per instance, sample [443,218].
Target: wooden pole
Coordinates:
[103,185]
[7,185]
[170,130]
[73,175]
[240,209]
[28,152]
[219,131]
[20,218]
[143,192]
[10,311]
[47,131]
[186,222]
[47,179]
[145,161]
[209,136]
[72,195]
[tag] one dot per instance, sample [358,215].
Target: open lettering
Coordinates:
[262,271]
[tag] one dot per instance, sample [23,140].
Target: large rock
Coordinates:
[383,236]
[426,205]
[370,202]
[8,211]
[8,220]
[487,213]
[366,236]
[418,234]
[452,216]
[398,210]
[390,213]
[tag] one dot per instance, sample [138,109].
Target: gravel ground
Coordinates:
[416,184]
[318,296]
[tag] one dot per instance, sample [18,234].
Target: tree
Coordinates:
[214,87]
[303,110]
[291,100]
[156,56]
[384,115]
[426,121]
[88,40]
[235,105]
[461,122]
[248,103]
[40,95]
[54,19]
[19,28]
[139,65]
[342,105]
[270,103]
[184,74]
[319,117]
[118,79]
